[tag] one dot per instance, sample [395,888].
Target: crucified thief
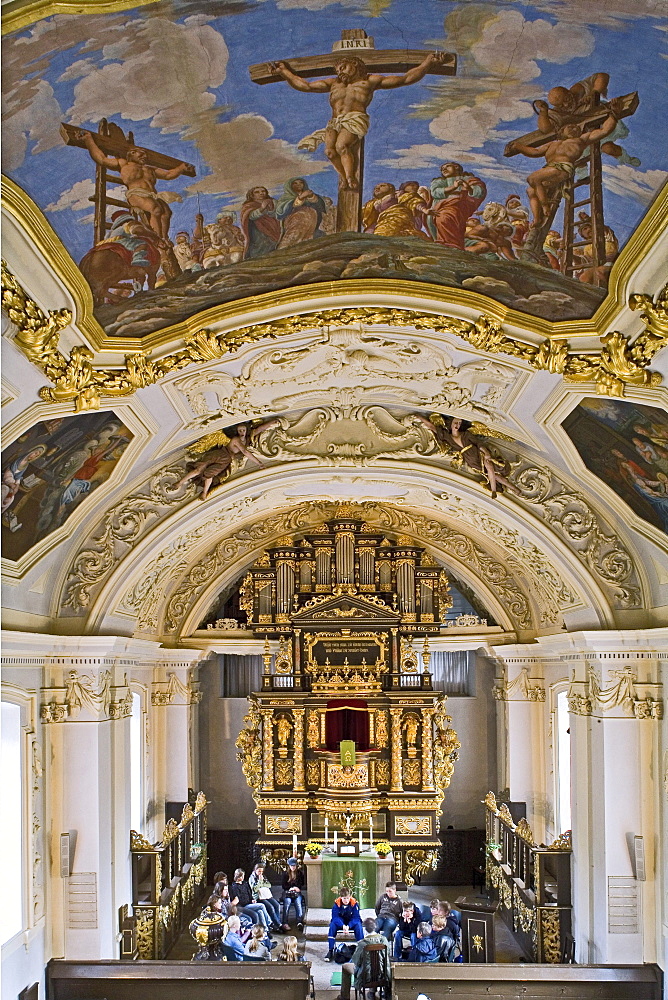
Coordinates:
[139,180]
[350,93]
[561,155]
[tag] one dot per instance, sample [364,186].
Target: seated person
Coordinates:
[289,953]
[293,894]
[453,918]
[256,947]
[345,913]
[388,911]
[429,912]
[261,889]
[423,950]
[405,935]
[233,939]
[241,896]
[360,964]
[442,938]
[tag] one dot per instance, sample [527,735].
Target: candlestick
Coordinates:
[326,829]
[370,832]
[294,844]
[336,840]
[360,841]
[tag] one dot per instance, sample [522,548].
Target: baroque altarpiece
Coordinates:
[352,612]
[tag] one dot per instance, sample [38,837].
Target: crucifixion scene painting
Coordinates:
[191,154]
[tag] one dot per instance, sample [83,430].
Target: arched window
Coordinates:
[12,769]
[563,762]
[137,810]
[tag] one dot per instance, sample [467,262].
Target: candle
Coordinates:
[326,829]
[294,844]
[336,840]
[360,841]
[370,831]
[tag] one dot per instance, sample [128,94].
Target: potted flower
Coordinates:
[313,848]
[383,848]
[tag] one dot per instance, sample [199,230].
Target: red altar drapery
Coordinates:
[347,719]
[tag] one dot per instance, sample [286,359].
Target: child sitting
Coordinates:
[423,949]
[405,935]
[289,953]
[256,948]
[442,938]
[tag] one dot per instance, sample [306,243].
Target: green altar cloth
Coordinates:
[362,881]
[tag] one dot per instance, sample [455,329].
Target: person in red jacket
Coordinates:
[345,913]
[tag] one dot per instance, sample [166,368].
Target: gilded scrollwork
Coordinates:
[75,379]
[550,938]
[145,926]
[446,750]
[313,729]
[417,863]
[249,747]
[284,774]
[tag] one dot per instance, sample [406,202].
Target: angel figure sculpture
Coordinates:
[218,452]
[460,440]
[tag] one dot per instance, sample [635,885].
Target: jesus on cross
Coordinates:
[350,93]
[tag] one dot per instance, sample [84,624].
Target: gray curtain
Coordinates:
[239,675]
[454,673]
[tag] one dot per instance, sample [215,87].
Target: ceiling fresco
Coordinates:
[191,154]
[51,469]
[626,446]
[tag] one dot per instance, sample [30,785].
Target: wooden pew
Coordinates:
[526,982]
[116,980]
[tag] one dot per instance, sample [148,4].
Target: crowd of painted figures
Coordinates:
[449,212]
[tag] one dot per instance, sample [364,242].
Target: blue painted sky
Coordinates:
[179,78]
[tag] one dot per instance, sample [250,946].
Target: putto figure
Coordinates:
[218,452]
[350,94]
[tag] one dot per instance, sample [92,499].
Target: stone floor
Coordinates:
[313,942]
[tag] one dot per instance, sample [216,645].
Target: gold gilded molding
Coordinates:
[283,824]
[138,842]
[20,14]
[76,380]
[406,826]
[524,831]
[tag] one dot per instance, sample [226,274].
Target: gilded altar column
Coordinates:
[267,749]
[397,785]
[427,750]
[298,716]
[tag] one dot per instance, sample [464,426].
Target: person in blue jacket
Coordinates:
[233,938]
[424,949]
[345,913]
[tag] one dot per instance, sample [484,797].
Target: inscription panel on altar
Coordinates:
[336,649]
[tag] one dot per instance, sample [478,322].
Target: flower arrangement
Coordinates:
[313,848]
[383,848]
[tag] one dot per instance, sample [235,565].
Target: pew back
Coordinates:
[526,982]
[115,980]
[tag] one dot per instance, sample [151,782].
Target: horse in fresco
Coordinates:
[118,265]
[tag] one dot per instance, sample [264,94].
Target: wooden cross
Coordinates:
[532,250]
[354,42]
